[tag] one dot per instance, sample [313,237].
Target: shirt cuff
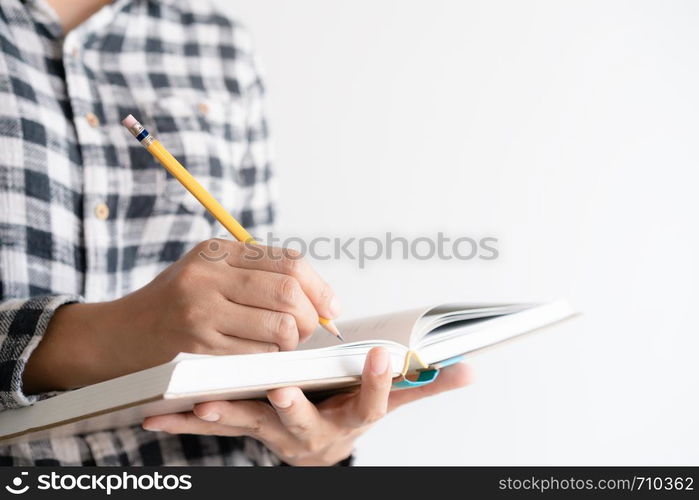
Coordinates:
[22,326]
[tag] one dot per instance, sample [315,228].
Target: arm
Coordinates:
[23,323]
[255,299]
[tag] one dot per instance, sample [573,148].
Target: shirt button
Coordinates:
[203,108]
[101,211]
[92,120]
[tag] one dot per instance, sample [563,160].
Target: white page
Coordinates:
[493,331]
[395,327]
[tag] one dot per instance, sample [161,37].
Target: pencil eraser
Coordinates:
[129,121]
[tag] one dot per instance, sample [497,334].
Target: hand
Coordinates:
[223,297]
[300,433]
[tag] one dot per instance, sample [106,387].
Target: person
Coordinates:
[101,252]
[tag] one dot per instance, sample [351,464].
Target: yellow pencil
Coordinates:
[192,185]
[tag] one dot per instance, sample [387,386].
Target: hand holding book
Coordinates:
[301,433]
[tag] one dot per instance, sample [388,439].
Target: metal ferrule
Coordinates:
[140,133]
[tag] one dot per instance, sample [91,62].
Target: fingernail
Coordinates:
[284,398]
[150,428]
[379,362]
[284,403]
[335,308]
[211,417]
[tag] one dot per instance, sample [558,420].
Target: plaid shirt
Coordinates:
[86,214]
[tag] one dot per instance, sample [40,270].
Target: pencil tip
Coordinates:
[330,326]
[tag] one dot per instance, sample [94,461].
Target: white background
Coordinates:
[568,130]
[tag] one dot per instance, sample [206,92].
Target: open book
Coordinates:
[420,342]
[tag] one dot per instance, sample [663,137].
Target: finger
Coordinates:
[236,345]
[290,263]
[188,423]
[260,325]
[371,403]
[212,341]
[451,377]
[252,418]
[273,292]
[299,416]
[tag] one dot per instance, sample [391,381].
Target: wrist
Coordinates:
[74,350]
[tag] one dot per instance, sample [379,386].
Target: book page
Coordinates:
[469,337]
[395,327]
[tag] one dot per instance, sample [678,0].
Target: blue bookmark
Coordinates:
[425,377]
